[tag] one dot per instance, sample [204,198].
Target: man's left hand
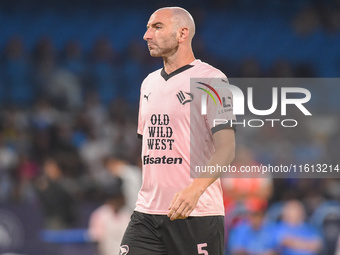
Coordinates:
[183,203]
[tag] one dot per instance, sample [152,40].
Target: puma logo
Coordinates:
[147,96]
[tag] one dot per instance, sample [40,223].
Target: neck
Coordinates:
[177,60]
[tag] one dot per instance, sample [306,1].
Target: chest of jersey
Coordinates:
[166,103]
[165,113]
[160,96]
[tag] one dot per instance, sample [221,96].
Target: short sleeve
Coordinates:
[220,106]
[140,120]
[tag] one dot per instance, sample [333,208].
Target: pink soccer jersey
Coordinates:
[175,133]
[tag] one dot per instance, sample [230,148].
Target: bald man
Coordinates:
[294,235]
[177,214]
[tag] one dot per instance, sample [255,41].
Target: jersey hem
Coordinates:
[158,212]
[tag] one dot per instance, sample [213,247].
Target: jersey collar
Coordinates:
[179,70]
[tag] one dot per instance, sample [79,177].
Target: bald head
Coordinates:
[180,18]
[169,34]
[293,212]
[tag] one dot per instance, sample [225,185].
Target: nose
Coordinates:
[147,36]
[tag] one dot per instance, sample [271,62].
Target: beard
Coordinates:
[163,52]
[167,48]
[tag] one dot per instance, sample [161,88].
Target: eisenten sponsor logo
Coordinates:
[161,160]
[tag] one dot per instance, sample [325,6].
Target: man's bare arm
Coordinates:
[185,201]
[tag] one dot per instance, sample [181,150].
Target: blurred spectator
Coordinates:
[331,232]
[73,59]
[58,205]
[95,112]
[43,51]
[106,75]
[130,175]
[57,84]
[64,88]
[294,235]
[44,63]
[250,68]
[15,122]
[107,223]
[239,190]
[123,130]
[18,74]
[133,71]
[79,134]
[63,149]
[307,21]
[8,161]
[254,235]
[281,69]
[44,115]
[304,70]
[329,15]
[337,252]
[92,151]
[27,171]
[254,187]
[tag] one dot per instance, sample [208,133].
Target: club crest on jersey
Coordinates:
[124,249]
[184,97]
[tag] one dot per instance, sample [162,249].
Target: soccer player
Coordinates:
[175,213]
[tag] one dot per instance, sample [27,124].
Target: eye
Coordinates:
[158,27]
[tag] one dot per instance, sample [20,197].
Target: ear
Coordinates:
[183,34]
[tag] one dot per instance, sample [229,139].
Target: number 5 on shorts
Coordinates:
[200,248]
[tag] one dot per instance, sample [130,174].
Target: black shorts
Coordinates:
[149,234]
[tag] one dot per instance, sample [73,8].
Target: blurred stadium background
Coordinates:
[69,88]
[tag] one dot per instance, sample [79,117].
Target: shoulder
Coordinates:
[208,71]
[311,230]
[153,75]
[151,78]
[270,226]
